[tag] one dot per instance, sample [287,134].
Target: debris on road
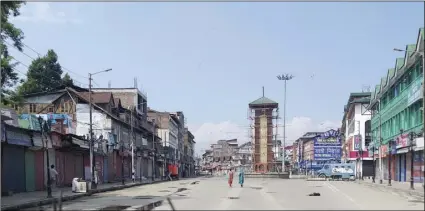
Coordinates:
[314,194]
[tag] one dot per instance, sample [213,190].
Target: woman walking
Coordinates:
[241,177]
[230,178]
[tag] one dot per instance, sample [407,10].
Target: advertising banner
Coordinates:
[357,142]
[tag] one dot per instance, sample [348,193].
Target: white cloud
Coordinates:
[208,133]
[42,12]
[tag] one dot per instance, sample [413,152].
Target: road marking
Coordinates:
[336,190]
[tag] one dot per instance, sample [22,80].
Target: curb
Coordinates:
[48,201]
[390,188]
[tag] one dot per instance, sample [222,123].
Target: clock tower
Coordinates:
[263,116]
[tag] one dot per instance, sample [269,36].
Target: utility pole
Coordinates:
[122,163]
[285,78]
[154,152]
[132,144]
[381,171]
[91,141]
[49,179]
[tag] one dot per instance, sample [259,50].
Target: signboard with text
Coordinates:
[327,153]
[415,92]
[327,146]
[357,142]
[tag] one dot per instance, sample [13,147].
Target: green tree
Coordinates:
[67,80]
[44,75]
[8,31]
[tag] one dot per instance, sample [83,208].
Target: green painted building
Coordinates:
[396,104]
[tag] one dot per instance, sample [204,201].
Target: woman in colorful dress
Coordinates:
[230,177]
[241,177]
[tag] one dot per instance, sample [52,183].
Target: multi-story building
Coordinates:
[207,160]
[223,152]
[243,157]
[168,130]
[130,97]
[397,111]
[189,153]
[112,129]
[305,149]
[357,132]
[180,138]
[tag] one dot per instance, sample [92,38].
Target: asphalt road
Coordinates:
[135,196]
[257,194]
[278,194]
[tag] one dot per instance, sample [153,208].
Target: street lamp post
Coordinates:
[412,136]
[285,78]
[91,142]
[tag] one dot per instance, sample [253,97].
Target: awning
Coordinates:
[83,144]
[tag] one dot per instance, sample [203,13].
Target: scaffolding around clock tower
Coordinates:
[263,116]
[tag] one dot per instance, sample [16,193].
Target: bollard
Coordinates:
[60,200]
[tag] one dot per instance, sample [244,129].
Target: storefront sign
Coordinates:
[357,142]
[415,92]
[402,141]
[419,143]
[319,141]
[326,153]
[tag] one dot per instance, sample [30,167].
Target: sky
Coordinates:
[210,60]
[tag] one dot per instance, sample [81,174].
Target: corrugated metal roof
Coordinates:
[44,99]
[98,97]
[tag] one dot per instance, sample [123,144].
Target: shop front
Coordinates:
[14,173]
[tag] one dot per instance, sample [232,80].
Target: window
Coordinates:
[16,107]
[326,167]
[64,107]
[33,108]
[50,109]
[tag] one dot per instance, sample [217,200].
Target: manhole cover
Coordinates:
[256,188]
[271,192]
[172,187]
[115,207]
[180,195]
[164,191]
[233,197]
[143,197]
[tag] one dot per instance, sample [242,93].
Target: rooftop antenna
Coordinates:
[135,82]
[366,88]
[263,91]
[109,84]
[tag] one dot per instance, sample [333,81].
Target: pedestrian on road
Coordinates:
[230,177]
[241,177]
[53,175]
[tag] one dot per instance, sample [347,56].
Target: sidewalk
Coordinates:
[39,198]
[395,186]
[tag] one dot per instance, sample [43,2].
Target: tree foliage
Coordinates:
[67,80]
[44,75]
[9,32]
